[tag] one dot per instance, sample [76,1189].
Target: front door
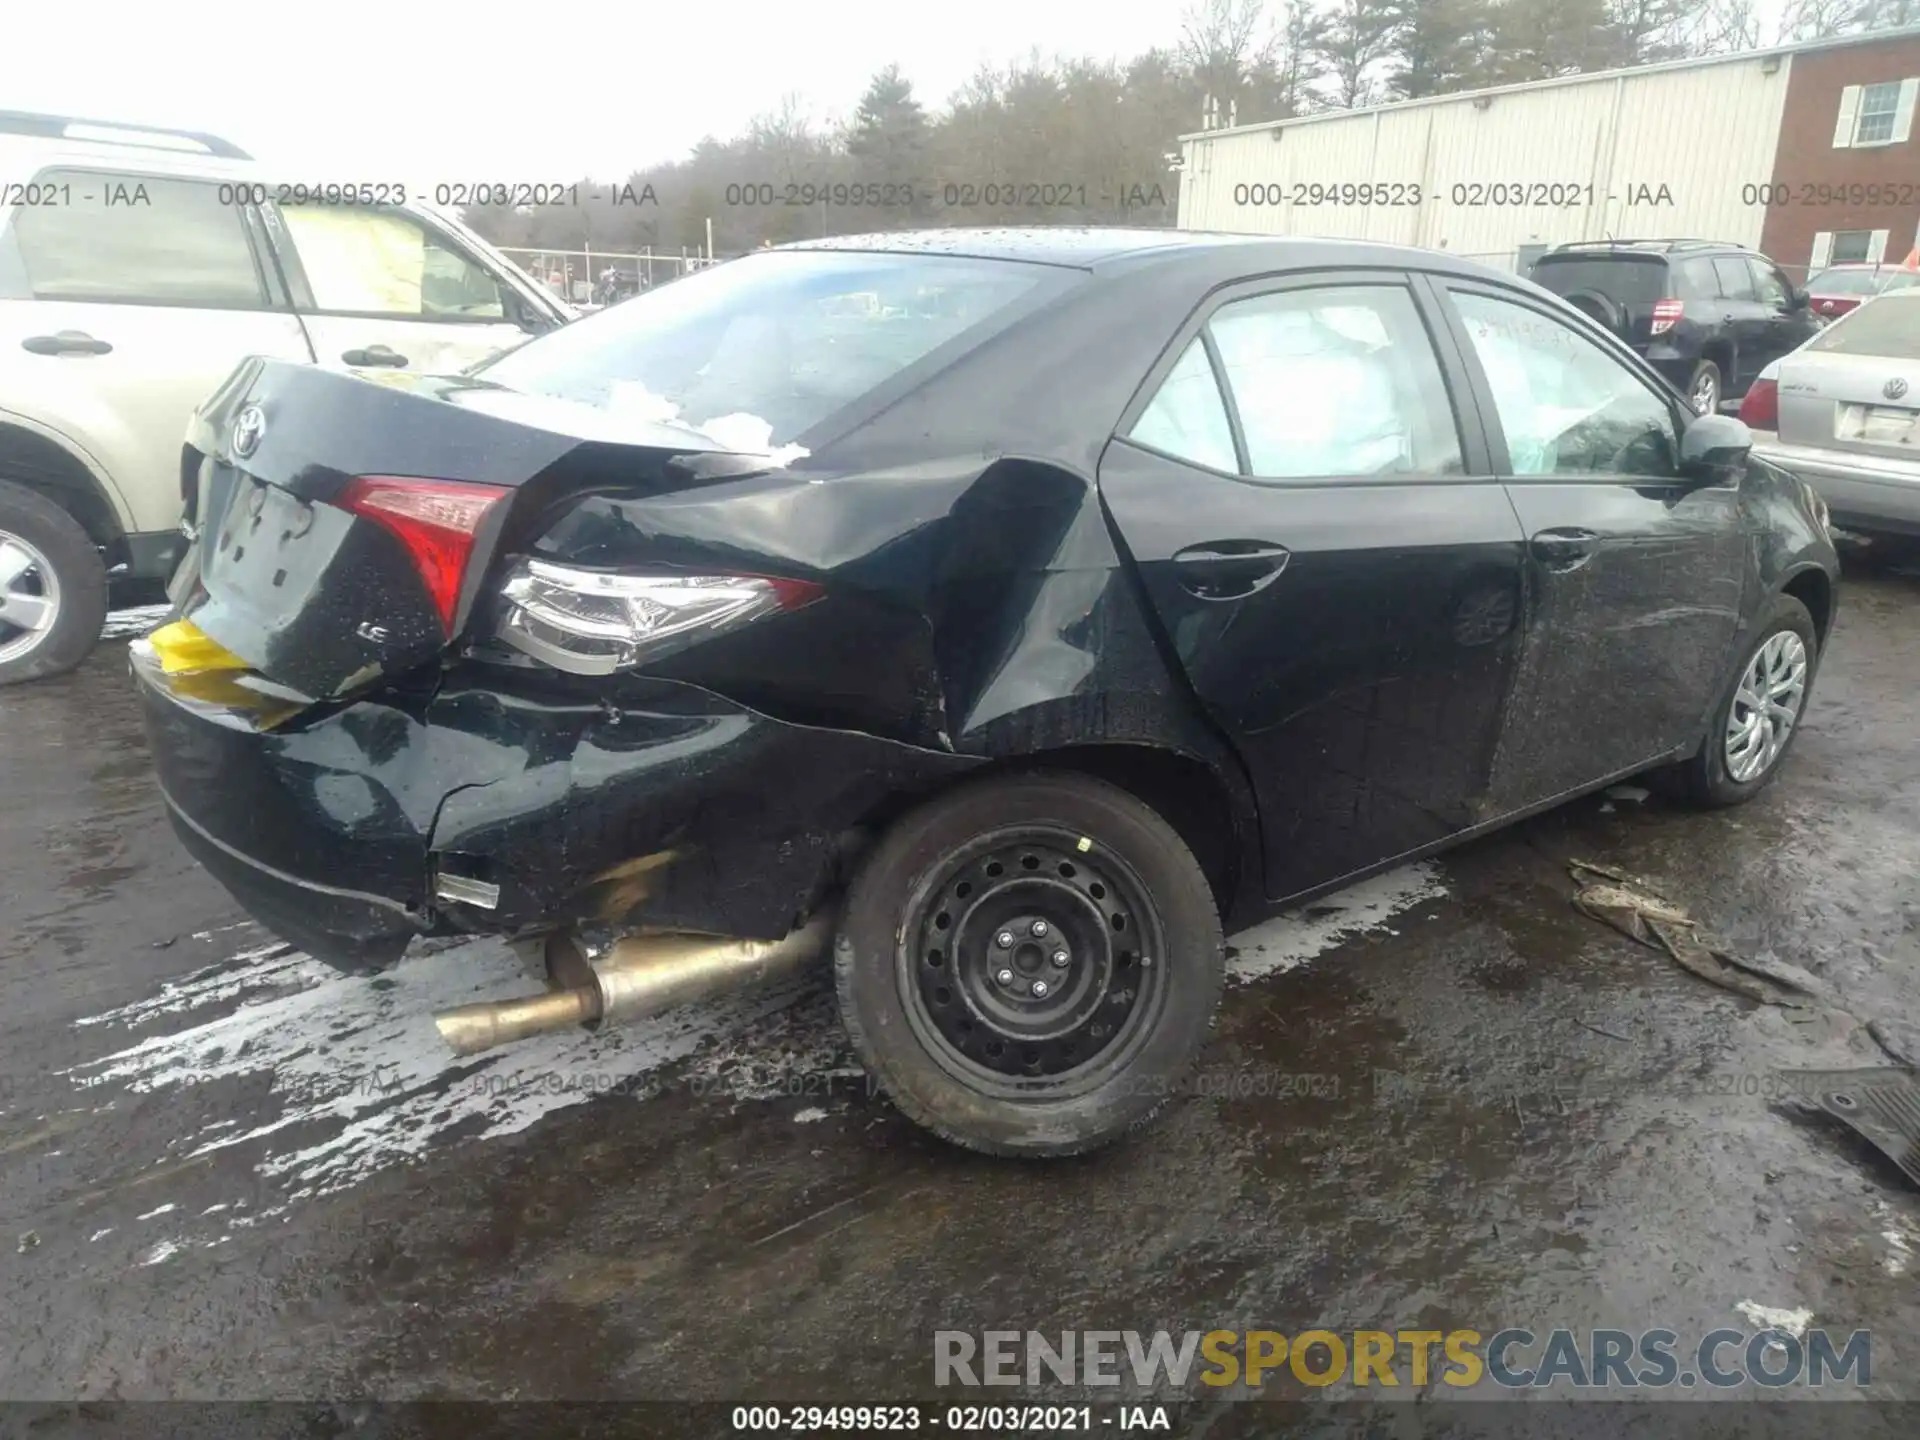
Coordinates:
[379,287]
[1634,574]
[1336,572]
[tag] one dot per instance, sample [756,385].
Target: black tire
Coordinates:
[1705,779]
[1077,1086]
[1706,374]
[78,573]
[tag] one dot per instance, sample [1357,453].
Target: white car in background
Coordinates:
[138,267]
[1843,413]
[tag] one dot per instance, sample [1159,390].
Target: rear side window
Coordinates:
[1188,418]
[772,344]
[1887,327]
[1623,279]
[1736,281]
[132,239]
[1697,280]
[1336,381]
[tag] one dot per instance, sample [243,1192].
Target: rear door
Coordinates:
[1308,506]
[1749,323]
[1634,576]
[124,302]
[383,287]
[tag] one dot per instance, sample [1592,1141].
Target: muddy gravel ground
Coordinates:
[1441,1099]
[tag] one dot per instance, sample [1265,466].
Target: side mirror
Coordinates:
[1798,299]
[1714,448]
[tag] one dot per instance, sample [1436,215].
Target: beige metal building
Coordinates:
[1708,149]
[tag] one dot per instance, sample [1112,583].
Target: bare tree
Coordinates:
[1359,34]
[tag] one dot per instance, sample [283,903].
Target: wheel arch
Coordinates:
[1211,810]
[37,461]
[1813,588]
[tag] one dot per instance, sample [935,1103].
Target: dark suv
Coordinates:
[1708,316]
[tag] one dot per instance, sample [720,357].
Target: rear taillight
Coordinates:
[1666,314]
[1761,409]
[435,519]
[593,622]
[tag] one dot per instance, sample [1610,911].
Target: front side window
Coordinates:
[1771,285]
[1187,418]
[131,239]
[1879,105]
[1567,406]
[365,261]
[773,343]
[1340,381]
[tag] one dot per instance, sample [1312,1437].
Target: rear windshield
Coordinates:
[1888,326]
[771,344]
[1623,279]
[1845,282]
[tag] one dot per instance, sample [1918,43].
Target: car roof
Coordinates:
[1647,249]
[1113,247]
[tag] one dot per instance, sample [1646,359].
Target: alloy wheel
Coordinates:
[29,598]
[1026,959]
[1706,394]
[1766,706]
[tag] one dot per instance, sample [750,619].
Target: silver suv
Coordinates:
[138,267]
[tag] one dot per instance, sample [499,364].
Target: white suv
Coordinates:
[137,268]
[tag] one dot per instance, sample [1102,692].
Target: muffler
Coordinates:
[640,975]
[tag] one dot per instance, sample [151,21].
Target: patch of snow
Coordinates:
[165,1250]
[1766,1317]
[359,1079]
[1293,938]
[163,1210]
[100,1234]
[809,1115]
[1902,1252]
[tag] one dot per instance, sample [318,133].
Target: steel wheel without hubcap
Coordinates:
[29,598]
[1024,960]
[1766,706]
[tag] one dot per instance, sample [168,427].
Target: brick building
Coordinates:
[1807,152]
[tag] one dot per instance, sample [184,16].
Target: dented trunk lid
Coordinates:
[322,601]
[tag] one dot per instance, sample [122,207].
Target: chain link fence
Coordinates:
[597,277]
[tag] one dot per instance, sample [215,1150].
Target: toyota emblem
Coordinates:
[248,427]
[1894,388]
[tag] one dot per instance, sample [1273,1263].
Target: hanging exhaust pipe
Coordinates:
[640,975]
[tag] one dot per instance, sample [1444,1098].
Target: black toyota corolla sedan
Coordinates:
[1002,610]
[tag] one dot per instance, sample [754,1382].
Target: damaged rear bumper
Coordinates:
[664,805]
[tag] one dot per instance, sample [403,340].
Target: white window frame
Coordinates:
[1826,242]
[1852,113]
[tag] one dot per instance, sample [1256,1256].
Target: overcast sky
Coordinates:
[332,91]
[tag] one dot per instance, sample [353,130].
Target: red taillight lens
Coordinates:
[1761,409]
[435,519]
[1666,314]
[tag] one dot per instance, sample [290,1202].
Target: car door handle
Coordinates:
[1564,549]
[1228,569]
[374,355]
[67,342]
